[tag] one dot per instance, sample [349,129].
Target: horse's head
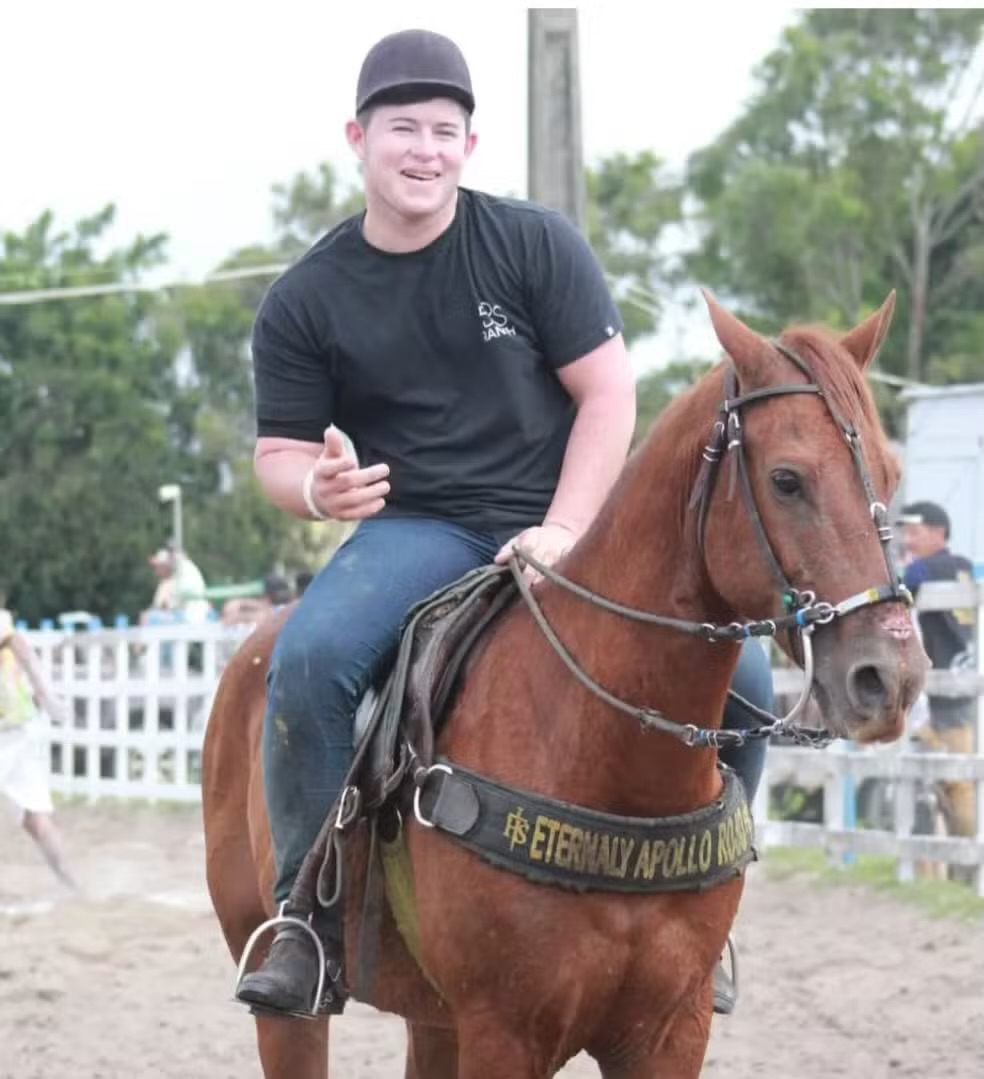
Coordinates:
[811,473]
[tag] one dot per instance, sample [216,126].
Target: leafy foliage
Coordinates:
[847,175]
[631,204]
[88,400]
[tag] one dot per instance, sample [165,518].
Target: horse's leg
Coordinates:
[489,1050]
[293,1048]
[680,1055]
[432,1053]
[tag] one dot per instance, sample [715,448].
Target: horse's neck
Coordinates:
[641,553]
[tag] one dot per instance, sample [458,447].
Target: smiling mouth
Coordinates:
[420,177]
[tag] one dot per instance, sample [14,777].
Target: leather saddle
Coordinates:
[406,710]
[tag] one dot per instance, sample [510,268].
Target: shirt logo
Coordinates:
[495,322]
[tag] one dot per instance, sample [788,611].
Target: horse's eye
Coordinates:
[786,482]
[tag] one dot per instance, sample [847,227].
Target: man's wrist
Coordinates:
[551,523]
[308,495]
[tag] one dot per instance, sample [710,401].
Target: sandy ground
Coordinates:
[133,980]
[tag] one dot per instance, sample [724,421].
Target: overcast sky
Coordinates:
[185,113]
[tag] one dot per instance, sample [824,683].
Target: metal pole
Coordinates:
[178,524]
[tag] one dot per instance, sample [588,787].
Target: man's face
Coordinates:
[413,155]
[921,540]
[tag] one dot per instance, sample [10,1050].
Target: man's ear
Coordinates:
[355,136]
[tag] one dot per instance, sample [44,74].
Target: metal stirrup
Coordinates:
[280,918]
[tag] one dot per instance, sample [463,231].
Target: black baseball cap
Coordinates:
[414,65]
[926,513]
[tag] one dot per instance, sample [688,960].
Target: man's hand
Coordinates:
[342,491]
[546,543]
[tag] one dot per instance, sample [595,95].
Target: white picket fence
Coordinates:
[139,700]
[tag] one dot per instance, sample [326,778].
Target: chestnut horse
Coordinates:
[521,976]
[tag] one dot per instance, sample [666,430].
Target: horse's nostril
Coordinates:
[867,687]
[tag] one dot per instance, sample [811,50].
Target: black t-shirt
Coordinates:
[441,362]
[945,634]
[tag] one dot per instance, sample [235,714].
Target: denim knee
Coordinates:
[312,675]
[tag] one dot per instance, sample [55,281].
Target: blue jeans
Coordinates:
[340,640]
[753,681]
[337,642]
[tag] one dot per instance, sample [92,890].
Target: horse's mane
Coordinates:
[835,372]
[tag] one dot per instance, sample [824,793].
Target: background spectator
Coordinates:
[24,761]
[948,639]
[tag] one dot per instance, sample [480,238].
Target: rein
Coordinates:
[804,611]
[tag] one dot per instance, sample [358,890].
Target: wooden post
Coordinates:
[555,165]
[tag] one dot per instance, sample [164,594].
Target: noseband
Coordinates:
[803,611]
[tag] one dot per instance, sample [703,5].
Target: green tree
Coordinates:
[655,390]
[631,203]
[851,171]
[308,206]
[86,434]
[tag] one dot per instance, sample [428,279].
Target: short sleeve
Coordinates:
[292,376]
[6,627]
[572,308]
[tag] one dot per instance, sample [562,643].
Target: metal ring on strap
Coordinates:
[417,810]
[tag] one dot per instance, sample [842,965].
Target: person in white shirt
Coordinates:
[23,746]
[180,586]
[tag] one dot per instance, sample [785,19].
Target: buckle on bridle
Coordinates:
[822,613]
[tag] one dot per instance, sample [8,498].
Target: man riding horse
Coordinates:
[470,349]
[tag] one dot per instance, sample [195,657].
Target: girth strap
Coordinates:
[556,842]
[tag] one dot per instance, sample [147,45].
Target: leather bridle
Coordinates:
[803,612]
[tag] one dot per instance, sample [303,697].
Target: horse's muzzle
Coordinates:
[868,683]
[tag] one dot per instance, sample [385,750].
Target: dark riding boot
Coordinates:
[725,985]
[725,996]
[287,980]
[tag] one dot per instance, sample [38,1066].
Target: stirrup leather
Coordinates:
[279,919]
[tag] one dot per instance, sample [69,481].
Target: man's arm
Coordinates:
[25,656]
[602,386]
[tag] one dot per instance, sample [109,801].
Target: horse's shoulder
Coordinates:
[253,654]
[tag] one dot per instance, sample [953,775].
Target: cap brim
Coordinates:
[400,92]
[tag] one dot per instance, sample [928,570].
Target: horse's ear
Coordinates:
[747,349]
[864,341]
